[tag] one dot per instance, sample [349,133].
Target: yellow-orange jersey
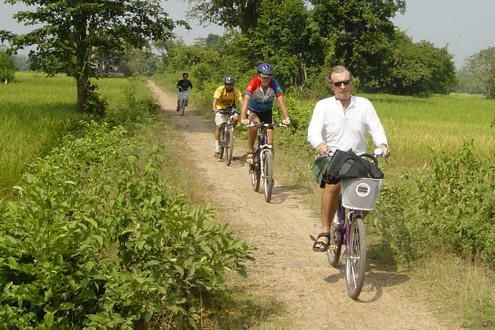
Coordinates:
[226,99]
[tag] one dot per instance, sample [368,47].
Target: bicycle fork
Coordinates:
[265,149]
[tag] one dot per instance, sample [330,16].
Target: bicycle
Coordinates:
[182,101]
[262,166]
[347,229]
[227,136]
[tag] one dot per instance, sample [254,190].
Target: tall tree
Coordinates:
[478,73]
[284,45]
[68,34]
[355,33]
[418,68]
[241,14]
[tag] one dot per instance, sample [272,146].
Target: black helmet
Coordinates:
[228,80]
[265,69]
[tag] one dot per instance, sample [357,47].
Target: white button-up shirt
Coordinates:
[345,130]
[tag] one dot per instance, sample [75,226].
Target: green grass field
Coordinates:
[36,111]
[416,127]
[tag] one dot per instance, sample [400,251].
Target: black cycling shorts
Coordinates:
[265,117]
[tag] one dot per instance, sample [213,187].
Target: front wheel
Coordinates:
[182,106]
[229,143]
[223,139]
[356,258]
[268,174]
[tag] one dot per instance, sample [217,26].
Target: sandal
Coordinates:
[321,246]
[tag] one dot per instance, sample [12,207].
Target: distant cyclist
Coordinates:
[257,106]
[183,85]
[224,98]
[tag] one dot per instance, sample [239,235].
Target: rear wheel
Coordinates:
[335,249]
[267,160]
[229,143]
[356,258]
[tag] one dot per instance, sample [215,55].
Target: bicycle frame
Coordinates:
[349,231]
[182,101]
[227,136]
[262,166]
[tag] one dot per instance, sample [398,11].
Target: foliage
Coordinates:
[478,74]
[354,33]
[229,13]
[100,242]
[418,68]
[203,64]
[7,68]
[280,43]
[450,208]
[70,35]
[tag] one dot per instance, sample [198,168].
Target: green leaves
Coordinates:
[448,207]
[97,240]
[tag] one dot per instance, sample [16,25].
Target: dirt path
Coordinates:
[285,267]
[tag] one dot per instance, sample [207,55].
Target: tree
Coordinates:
[241,14]
[7,67]
[478,73]
[282,44]
[71,33]
[418,68]
[356,33]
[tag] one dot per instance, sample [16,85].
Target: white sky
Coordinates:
[465,27]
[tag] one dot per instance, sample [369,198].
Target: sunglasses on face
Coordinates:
[339,83]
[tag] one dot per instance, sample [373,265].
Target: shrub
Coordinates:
[7,68]
[96,240]
[451,208]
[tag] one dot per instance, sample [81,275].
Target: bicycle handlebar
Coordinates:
[265,125]
[377,153]
[227,111]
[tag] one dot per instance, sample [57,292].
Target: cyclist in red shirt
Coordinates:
[257,106]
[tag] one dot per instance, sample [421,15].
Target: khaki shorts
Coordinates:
[220,118]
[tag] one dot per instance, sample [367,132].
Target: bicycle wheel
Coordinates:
[229,143]
[267,160]
[335,249]
[223,139]
[356,258]
[254,173]
[182,106]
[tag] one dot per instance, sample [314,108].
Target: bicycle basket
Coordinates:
[360,193]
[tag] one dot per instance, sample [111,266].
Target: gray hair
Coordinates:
[337,69]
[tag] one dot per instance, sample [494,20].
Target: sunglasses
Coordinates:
[339,83]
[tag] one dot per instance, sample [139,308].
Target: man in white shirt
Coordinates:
[341,122]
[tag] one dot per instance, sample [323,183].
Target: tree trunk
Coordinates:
[82,91]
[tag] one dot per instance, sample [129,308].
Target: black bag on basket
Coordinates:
[346,164]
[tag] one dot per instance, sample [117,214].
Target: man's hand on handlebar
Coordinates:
[245,121]
[385,150]
[322,149]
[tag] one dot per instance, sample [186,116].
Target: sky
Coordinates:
[464,27]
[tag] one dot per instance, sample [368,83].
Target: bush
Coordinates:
[451,209]
[7,68]
[97,241]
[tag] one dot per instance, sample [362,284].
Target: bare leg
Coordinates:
[252,132]
[329,203]
[270,136]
